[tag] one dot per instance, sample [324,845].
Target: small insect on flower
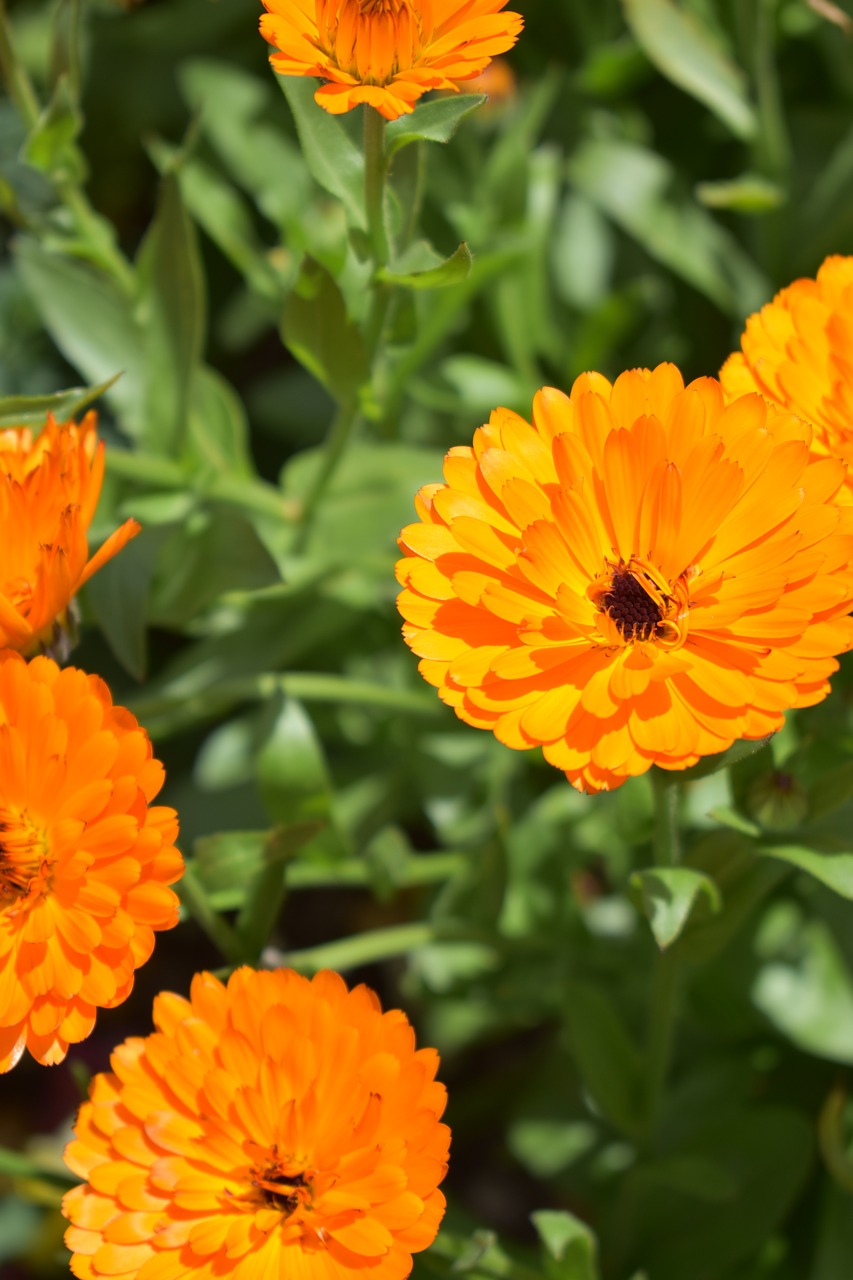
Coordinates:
[798,352]
[49,488]
[273,1127]
[386,53]
[85,858]
[641,575]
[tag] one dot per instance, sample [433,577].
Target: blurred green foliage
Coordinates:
[172,216]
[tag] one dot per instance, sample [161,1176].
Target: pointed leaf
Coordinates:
[668,895]
[92,323]
[431,121]
[569,1242]
[453,270]
[31,411]
[688,53]
[333,158]
[318,331]
[835,870]
[172,308]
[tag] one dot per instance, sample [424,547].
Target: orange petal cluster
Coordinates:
[274,1127]
[386,53]
[84,861]
[798,352]
[49,489]
[642,575]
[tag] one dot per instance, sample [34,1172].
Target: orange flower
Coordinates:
[49,488]
[386,52]
[274,1127]
[641,577]
[798,352]
[84,862]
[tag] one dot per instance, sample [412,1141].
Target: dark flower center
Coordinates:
[281,1191]
[631,607]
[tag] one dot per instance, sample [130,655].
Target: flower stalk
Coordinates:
[663,1008]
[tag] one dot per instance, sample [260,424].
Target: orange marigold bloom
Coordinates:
[274,1127]
[49,488]
[798,352]
[642,576]
[386,52]
[84,861]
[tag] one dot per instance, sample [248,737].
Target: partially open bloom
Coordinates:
[642,576]
[84,860]
[386,52]
[272,1128]
[49,489]
[798,352]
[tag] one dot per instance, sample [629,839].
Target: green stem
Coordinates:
[374,185]
[17,81]
[667,838]
[350,953]
[663,1008]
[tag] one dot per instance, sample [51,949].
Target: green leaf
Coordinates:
[835,870]
[548,1146]
[687,53]
[832,789]
[31,411]
[92,323]
[218,427]
[609,1064]
[810,998]
[431,122]
[220,210]
[453,270]
[50,146]
[319,333]
[232,106]
[172,310]
[215,550]
[725,759]
[748,194]
[638,189]
[668,896]
[331,155]
[292,775]
[118,597]
[569,1242]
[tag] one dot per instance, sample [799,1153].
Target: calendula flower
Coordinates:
[274,1127]
[798,352]
[642,576]
[84,860]
[49,488]
[386,52]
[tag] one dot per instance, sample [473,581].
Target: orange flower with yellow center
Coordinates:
[84,861]
[640,576]
[386,52]
[274,1127]
[798,352]
[49,489]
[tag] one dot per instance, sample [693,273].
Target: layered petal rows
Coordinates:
[274,1127]
[386,53]
[49,489]
[85,859]
[642,575]
[798,352]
